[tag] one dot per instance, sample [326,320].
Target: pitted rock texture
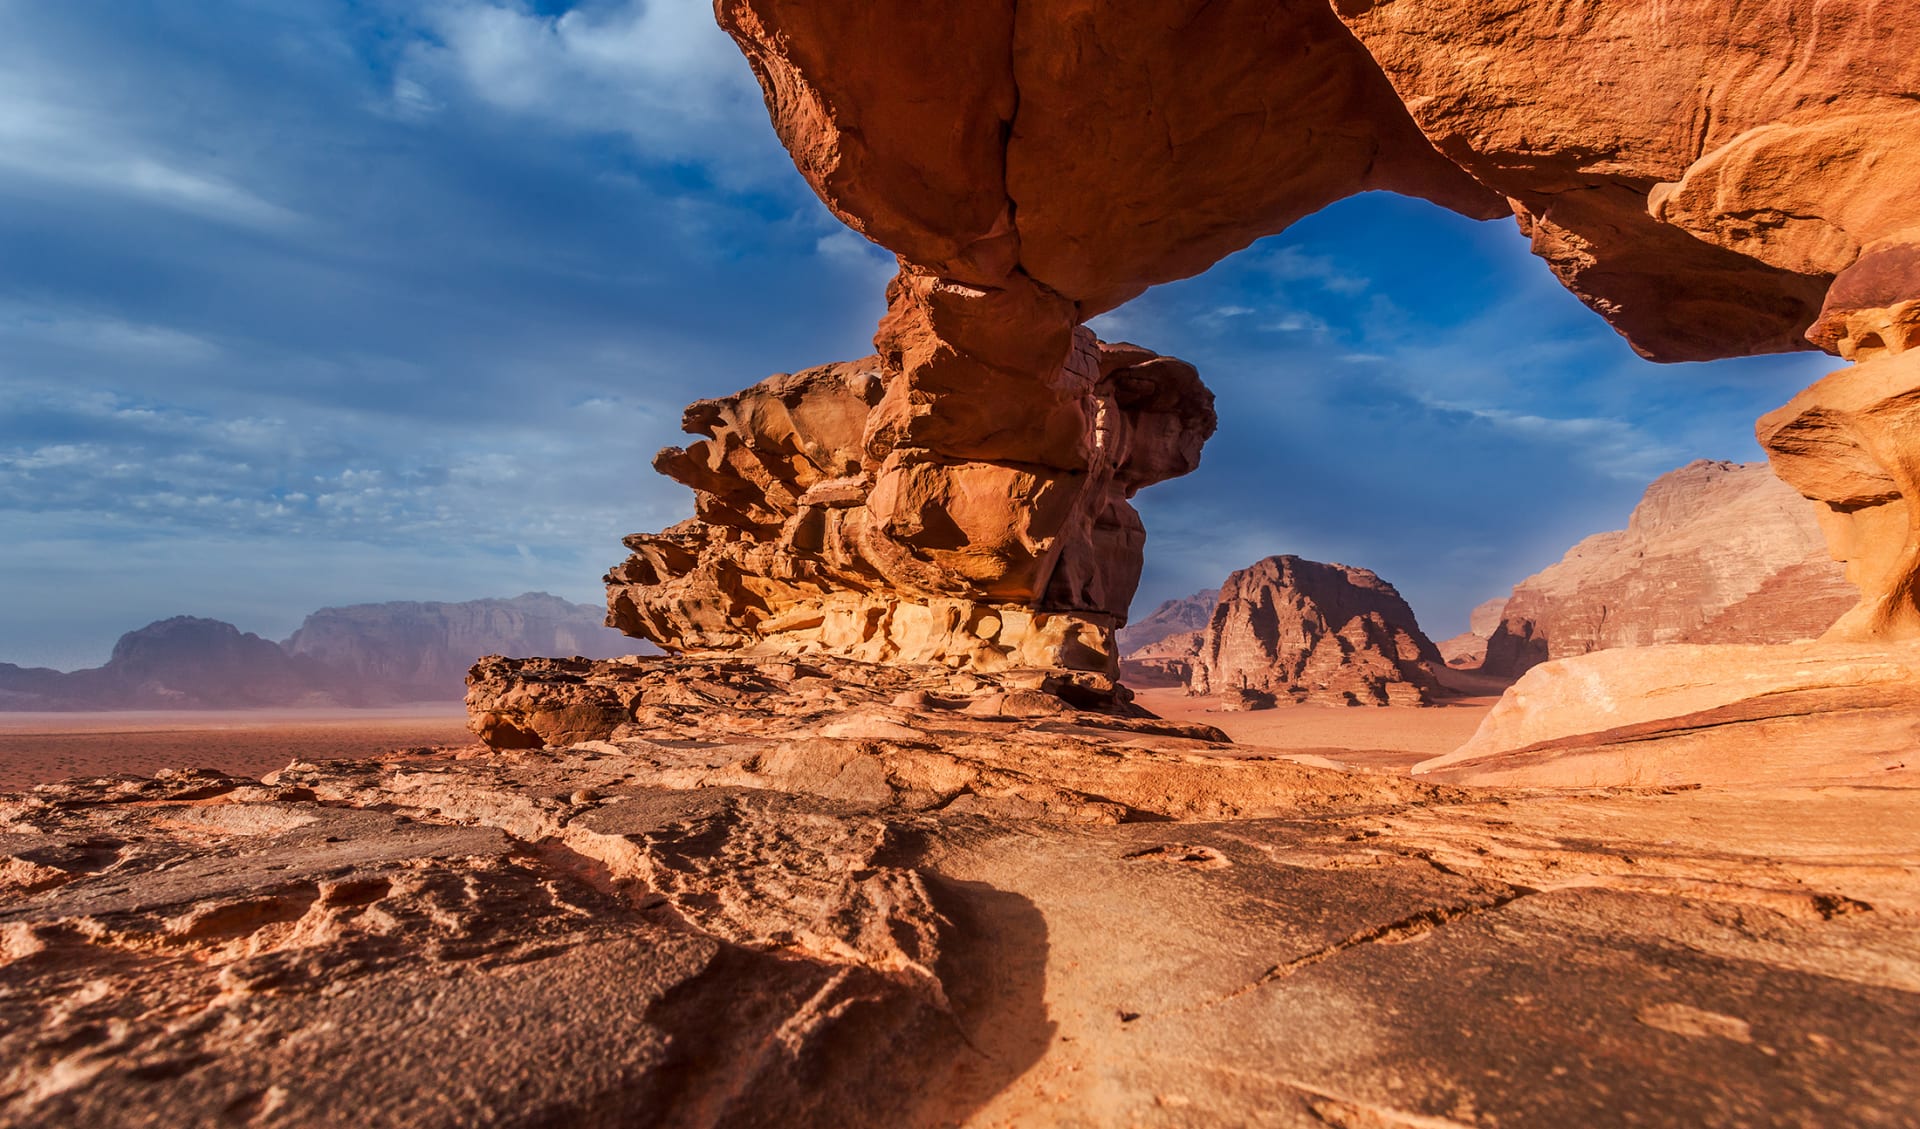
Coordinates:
[605,935]
[1715,552]
[1292,629]
[837,514]
[919,738]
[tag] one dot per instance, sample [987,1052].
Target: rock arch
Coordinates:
[1714,179]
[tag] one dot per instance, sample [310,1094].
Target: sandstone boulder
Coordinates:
[1715,552]
[1291,629]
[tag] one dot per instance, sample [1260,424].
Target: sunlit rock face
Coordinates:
[1711,178]
[1697,171]
[1715,552]
[1714,179]
[870,509]
[1287,629]
[1852,443]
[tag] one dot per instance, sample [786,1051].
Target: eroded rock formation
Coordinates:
[1287,629]
[920,506]
[1715,552]
[1852,443]
[1713,180]
[1704,175]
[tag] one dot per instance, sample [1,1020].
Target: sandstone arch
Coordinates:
[1714,179]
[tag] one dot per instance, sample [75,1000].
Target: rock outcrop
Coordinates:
[408,651]
[1290,629]
[1715,552]
[1689,714]
[1713,180]
[926,505]
[801,897]
[1852,443]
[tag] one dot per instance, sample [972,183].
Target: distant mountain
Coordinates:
[1175,617]
[1287,628]
[419,652]
[185,661]
[1716,552]
[364,655]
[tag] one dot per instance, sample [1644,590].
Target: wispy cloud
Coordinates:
[54,133]
[658,72]
[1611,447]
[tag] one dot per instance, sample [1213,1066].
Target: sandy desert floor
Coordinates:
[39,747]
[1365,739]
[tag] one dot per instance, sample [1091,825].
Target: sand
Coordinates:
[39,747]
[1358,738]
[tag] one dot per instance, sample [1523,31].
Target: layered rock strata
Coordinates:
[1715,552]
[1700,713]
[922,506]
[1287,629]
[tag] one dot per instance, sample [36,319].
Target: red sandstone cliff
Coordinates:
[1292,629]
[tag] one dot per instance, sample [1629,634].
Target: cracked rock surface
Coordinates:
[913,912]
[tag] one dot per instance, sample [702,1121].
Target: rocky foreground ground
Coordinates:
[839,894]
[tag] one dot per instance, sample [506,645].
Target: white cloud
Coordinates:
[658,71]
[1613,447]
[71,329]
[1290,264]
[49,133]
[1112,325]
[1298,322]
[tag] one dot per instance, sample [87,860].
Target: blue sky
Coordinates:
[308,302]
